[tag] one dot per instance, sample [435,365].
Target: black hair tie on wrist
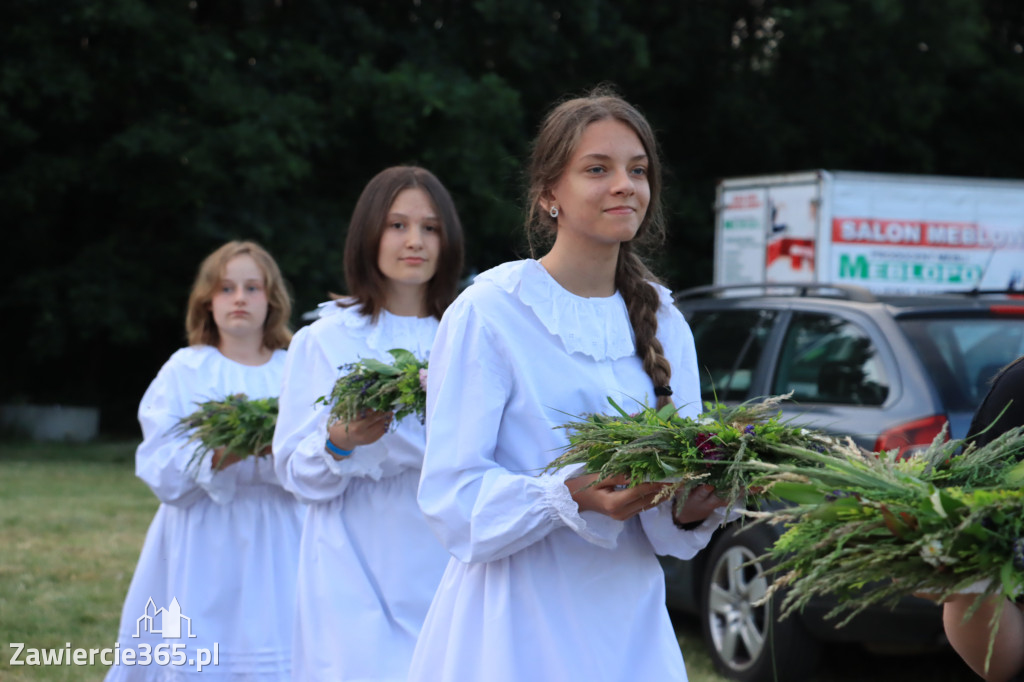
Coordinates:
[692,525]
[663,391]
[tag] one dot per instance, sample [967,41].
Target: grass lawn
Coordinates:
[72,522]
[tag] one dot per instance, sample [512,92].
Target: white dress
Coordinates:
[224,548]
[536,590]
[368,564]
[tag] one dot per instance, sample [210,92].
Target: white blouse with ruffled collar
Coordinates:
[598,327]
[368,564]
[536,589]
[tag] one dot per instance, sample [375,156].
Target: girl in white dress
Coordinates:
[219,560]
[368,564]
[553,579]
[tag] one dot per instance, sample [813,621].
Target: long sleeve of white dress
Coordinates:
[162,459]
[299,455]
[315,358]
[485,511]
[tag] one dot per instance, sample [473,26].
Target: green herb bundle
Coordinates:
[870,527]
[713,448]
[241,426]
[399,387]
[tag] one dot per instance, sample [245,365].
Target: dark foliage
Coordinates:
[135,137]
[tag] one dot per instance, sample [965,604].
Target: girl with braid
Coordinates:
[553,578]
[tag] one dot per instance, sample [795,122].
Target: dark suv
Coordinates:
[889,371]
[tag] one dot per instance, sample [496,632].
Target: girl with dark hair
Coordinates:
[368,564]
[553,578]
[219,561]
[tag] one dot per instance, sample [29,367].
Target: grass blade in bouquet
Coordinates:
[874,528]
[713,448]
[946,463]
[369,384]
[962,463]
[241,426]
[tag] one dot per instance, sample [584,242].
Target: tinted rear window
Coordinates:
[729,345]
[962,354]
[828,359]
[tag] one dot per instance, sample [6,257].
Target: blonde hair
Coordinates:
[199,323]
[557,140]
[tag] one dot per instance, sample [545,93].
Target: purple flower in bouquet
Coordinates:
[423,379]
[838,494]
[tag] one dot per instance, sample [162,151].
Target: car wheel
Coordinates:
[748,642]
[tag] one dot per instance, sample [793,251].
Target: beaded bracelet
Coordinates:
[335,450]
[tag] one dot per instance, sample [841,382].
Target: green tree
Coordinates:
[135,137]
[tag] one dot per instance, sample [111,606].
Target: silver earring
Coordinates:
[553,212]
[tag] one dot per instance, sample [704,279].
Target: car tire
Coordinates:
[748,642]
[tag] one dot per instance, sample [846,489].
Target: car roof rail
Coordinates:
[989,292]
[848,292]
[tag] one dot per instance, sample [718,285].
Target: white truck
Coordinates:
[892,234]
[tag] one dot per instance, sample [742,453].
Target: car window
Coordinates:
[826,359]
[729,344]
[963,354]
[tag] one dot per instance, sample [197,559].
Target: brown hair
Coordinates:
[199,319]
[365,281]
[556,142]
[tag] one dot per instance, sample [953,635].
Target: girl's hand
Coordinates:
[698,505]
[222,459]
[610,498]
[367,429]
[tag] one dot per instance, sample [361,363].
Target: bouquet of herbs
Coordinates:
[713,448]
[399,387]
[241,426]
[872,527]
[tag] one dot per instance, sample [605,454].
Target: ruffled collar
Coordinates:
[200,354]
[597,327]
[414,334]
